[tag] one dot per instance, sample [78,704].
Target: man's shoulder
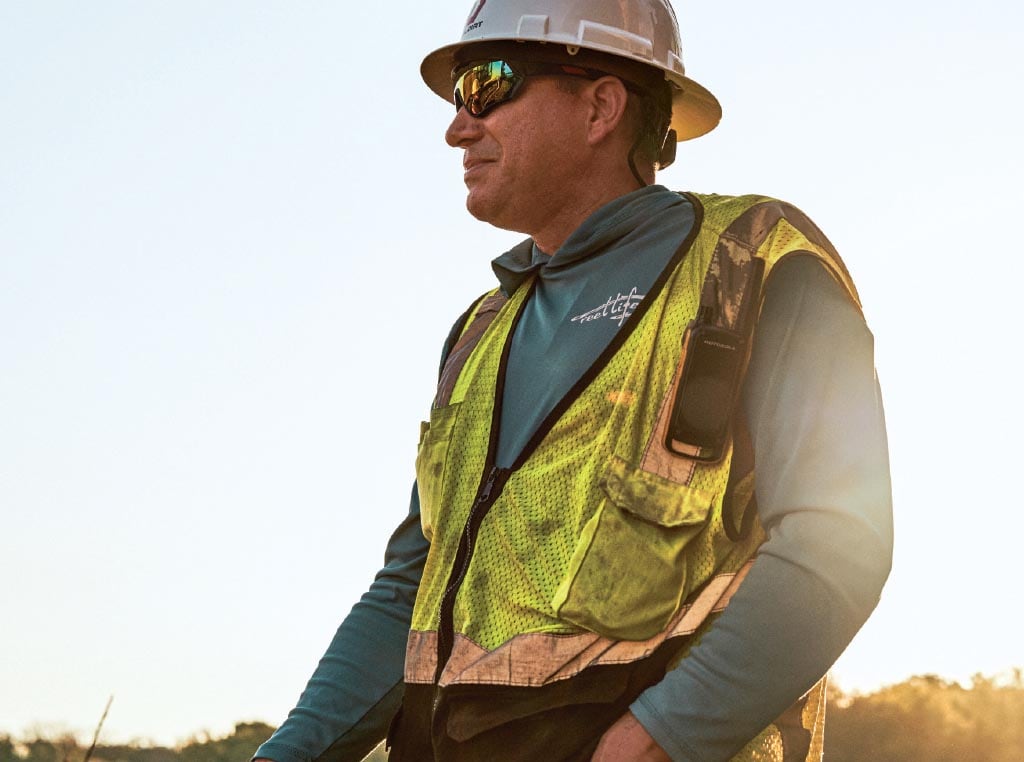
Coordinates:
[718,199]
[749,219]
[716,204]
[741,228]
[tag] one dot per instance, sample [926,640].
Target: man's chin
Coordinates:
[483,208]
[495,210]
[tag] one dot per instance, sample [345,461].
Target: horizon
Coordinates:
[83,736]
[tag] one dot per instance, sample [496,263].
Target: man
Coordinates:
[592,566]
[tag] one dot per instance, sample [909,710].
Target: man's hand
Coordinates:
[627,741]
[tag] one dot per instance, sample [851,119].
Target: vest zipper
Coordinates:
[486,496]
[487,493]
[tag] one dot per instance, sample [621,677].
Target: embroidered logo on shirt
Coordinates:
[617,308]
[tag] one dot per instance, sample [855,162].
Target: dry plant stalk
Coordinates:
[96,735]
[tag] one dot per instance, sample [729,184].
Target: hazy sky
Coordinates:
[232,241]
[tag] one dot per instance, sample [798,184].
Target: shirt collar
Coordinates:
[601,229]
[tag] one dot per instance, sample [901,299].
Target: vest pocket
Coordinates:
[627,576]
[431,458]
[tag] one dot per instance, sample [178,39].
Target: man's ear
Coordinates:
[607,98]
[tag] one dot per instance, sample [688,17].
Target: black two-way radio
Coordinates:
[713,369]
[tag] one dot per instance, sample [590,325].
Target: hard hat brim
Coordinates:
[695,110]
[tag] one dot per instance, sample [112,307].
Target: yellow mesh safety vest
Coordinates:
[600,544]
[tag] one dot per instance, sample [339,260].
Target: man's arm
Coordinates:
[823,491]
[357,687]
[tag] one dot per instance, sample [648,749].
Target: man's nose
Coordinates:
[463,130]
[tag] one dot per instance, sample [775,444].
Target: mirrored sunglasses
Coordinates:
[484,85]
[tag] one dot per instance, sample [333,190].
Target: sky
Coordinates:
[232,241]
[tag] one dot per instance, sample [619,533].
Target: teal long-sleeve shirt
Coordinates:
[812,403]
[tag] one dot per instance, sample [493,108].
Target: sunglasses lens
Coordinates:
[483,86]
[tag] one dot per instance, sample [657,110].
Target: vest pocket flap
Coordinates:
[653,498]
[631,568]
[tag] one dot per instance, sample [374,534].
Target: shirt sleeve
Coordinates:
[812,401]
[357,687]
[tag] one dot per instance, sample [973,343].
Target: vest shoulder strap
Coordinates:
[469,329]
[749,224]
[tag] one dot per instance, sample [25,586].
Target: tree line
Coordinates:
[925,718]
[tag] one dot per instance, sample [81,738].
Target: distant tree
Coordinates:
[41,750]
[240,745]
[7,749]
[123,753]
[928,718]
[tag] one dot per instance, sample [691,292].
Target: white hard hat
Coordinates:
[642,31]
